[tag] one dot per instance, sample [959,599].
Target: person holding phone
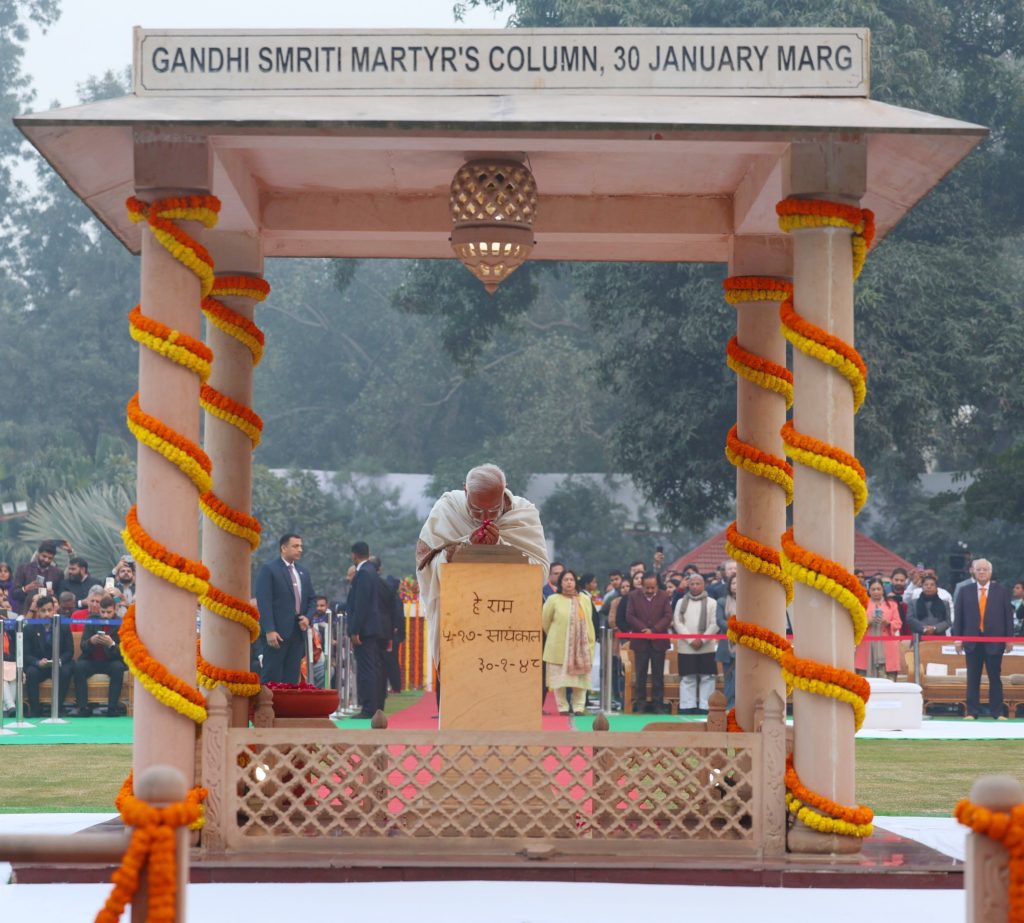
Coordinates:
[101,653]
[32,576]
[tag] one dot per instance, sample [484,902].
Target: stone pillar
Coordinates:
[823,515]
[987,874]
[167,500]
[225,642]
[760,503]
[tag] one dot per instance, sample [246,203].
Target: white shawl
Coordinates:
[449,521]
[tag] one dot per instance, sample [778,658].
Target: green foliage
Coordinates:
[331,516]
[590,531]
[91,519]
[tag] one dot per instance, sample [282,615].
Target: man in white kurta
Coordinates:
[484,512]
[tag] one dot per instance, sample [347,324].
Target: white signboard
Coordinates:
[721,62]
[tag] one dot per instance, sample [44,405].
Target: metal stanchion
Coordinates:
[328,649]
[340,676]
[55,699]
[19,657]
[917,658]
[606,669]
[309,653]
[4,732]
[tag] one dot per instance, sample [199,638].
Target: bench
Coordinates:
[943,677]
[671,679]
[99,684]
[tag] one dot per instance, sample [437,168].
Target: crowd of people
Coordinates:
[637,601]
[90,611]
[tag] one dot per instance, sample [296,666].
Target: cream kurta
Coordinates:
[449,521]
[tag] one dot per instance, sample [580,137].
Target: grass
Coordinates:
[928,777]
[63,777]
[924,777]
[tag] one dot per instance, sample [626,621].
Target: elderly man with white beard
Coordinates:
[695,615]
[484,512]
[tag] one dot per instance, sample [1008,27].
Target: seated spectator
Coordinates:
[76,578]
[695,614]
[39,651]
[91,610]
[929,614]
[35,574]
[6,582]
[101,653]
[879,658]
[10,669]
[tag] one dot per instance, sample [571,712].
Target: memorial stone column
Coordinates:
[823,507]
[232,431]
[761,404]
[168,167]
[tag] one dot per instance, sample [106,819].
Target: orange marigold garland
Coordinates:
[1006,828]
[188,457]
[152,846]
[753,555]
[799,563]
[225,517]
[824,814]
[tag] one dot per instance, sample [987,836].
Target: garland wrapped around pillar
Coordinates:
[801,564]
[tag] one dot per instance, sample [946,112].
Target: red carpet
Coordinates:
[422,716]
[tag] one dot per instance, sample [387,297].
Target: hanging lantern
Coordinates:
[493,204]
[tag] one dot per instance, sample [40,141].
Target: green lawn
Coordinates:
[893,777]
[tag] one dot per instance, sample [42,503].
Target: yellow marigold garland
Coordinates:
[233,521]
[799,563]
[796,214]
[761,372]
[760,464]
[1006,828]
[240,682]
[155,678]
[757,558]
[179,451]
[818,344]
[230,607]
[178,347]
[758,638]
[160,216]
[154,557]
[753,555]
[828,459]
[744,289]
[151,849]
[230,411]
[190,353]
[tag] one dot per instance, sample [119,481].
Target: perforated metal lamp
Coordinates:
[493,204]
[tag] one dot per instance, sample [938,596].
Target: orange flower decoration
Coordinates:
[151,851]
[859,815]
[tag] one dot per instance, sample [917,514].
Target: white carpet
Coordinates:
[944,729]
[506,902]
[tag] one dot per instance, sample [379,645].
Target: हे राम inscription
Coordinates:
[750,62]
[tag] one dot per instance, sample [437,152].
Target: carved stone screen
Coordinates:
[491,646]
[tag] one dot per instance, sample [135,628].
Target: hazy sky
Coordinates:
[93,36]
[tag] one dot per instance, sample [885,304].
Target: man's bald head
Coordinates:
[485,492]
[982,571]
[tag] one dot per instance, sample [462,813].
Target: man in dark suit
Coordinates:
[101,653]
[285,599]
[649,612]
[391,604]
[370,636]
[39,651]
[983,609]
